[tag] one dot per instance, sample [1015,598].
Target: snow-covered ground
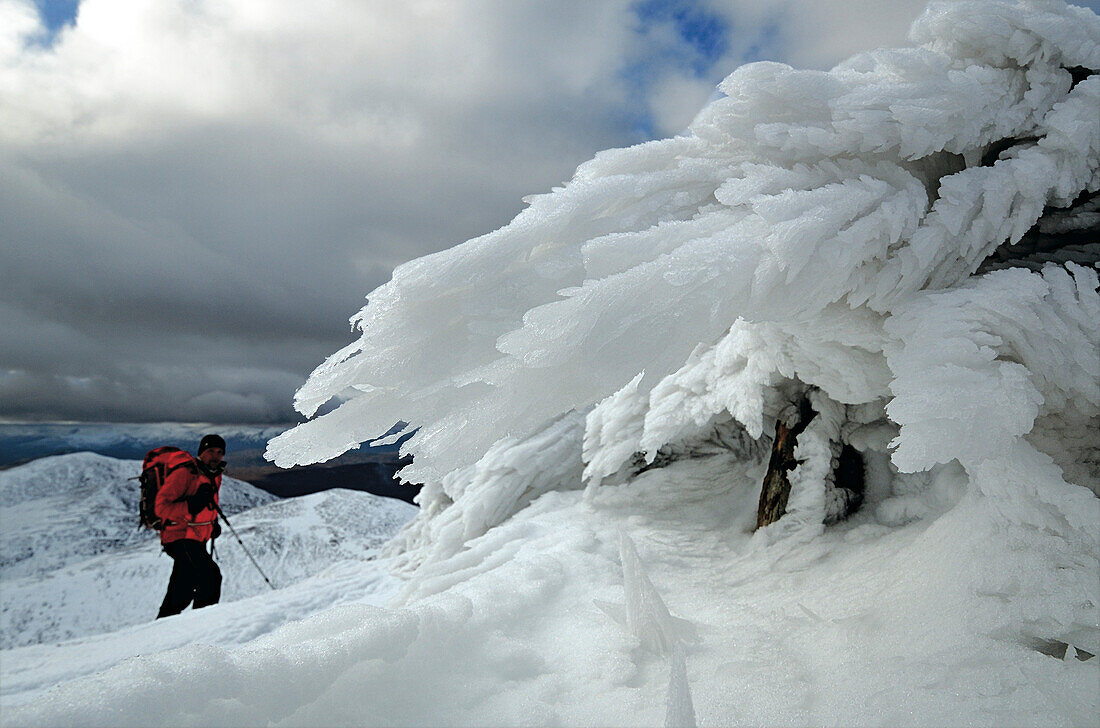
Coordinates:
[939,621]
[81,583]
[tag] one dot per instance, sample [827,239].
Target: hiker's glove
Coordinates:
[217,530]
[203,498]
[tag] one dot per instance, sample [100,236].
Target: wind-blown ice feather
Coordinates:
[811,229]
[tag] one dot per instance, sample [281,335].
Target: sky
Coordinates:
[196,195]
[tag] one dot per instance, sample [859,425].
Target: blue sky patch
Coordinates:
[683,35]
[703,35]
[56,14]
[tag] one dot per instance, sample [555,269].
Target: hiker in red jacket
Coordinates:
[187,504]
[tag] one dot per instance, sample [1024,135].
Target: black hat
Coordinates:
[209,441]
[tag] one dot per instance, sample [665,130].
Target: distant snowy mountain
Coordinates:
[21,442]
[74,563]
[59,510]
[368,468]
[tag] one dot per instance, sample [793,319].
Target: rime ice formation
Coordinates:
[812,231]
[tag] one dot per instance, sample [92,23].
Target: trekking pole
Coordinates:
[234,531]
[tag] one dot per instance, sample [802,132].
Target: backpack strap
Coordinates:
[185,464]
[188,464]
[156,453]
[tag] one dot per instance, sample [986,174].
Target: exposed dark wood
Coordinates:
[1078,74]
[777,487]
[848,484]
[994,151]
[1058,244]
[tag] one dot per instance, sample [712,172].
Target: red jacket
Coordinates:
[183,479]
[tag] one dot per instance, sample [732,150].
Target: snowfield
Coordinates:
[891,265]
[82,583]
[937,622]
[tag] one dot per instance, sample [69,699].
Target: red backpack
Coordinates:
[154,469]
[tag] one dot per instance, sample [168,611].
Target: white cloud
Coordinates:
[675,100]
[821,34]
[18,22]
[369,68]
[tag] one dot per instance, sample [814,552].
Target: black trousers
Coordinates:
[195,578]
